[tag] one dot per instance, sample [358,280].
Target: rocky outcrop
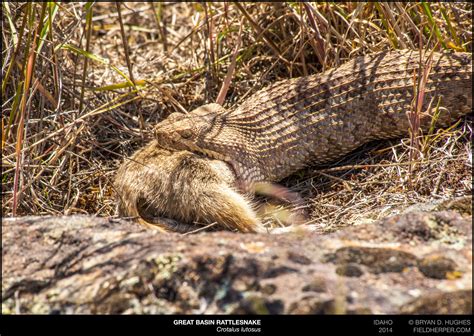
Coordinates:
[413,263]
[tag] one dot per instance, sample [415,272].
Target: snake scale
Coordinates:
[319,118]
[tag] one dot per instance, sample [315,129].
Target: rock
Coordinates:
[455,302]
[438,267]
[413,263]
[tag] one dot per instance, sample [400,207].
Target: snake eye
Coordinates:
[186,134]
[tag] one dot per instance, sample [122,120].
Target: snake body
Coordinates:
[319,118]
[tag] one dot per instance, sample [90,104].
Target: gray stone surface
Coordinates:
[414,263]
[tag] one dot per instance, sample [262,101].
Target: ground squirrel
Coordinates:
[174,190]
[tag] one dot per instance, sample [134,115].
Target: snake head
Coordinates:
[183,131]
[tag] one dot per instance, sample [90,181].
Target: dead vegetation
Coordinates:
[83,84]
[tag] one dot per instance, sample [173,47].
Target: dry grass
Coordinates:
[75,103]
[379,184]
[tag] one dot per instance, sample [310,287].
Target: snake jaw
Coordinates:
[190,132]
[181,131]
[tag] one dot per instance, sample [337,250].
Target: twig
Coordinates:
[200,229]
[125,44]
[225,85]
[86,60]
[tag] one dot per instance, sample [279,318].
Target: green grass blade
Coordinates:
[44,31]
[122,85]
[8,14]
[427,9]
